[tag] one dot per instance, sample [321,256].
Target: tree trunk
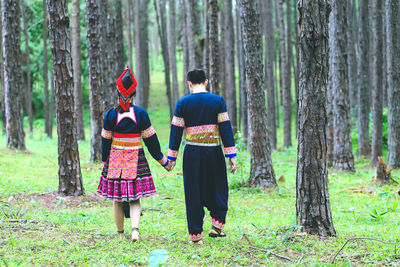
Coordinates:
[142,53]
[343,158]
[76,64]
[313,209]
[296,66]
[184,40]
[46,74]
[95,80]
[230,86]
[28,92]
[213,44]
[172,53]
[162,32]
[52,105]
[242,77]
[69,170]
[120,58]
[190,28]
[384,62]
[14,94]
[105,50]
[206,54]
[269,70]
[221,52]
[364,148]
[285,69]
[262,173]
[351,54]
[393,54]
[3,89]
[128,6]
[377,89]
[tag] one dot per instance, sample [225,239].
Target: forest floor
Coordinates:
[39,228]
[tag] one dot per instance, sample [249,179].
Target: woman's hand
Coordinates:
[171,164]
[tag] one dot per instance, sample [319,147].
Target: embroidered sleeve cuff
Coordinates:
[106,134]
[222,117]
[230,152]
[180,122]
[163,161]
[148,132]
[172,154]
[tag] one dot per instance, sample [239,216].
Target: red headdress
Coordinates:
[126,86]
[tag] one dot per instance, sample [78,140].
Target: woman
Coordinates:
[126,174]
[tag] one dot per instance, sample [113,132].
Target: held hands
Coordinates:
[232,164]
[170,165]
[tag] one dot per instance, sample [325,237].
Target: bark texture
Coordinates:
[28,92]
[213,44]
[269,70]
[313,209]
[230,86]
[69,170]
[162,32]
[172,52]
[14,93]
[242,78]
[77,66]
[191,16]
[393,54]
[351,52]
[48,120]
[128,7]
[285,79]
[3,93]
[262,173]
[343,158]
[377,90]
[184,40]
[364,147]
[95,80]
[142,53]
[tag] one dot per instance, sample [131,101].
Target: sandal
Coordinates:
[216,232]
[134,238]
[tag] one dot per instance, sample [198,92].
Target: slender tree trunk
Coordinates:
[343,158]
[190,27]
[242,77]
[142,53]
[377,83]
[3,89]
[213,44]
[28,93]
[95,80]
[393,54]
[384,61]
[313,209]
[221,52]
[104,46]
[206,54]
[172,53]
[46,74]
[184,40]
[351,54]
[269,70]
[14,94]
[52,105]
[128,6]
[296,66]
[69,170]
[364,148]
[262,173]
[285,69]
[120,58]
[229,41]
[76,64]
[162,32]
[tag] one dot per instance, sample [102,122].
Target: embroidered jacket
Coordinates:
[206,121]
[125,132]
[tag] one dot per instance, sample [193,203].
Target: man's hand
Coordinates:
[233,164]
[170,165]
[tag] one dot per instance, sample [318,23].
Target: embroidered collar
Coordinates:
[130,115]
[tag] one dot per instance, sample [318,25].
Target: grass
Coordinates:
[39,228]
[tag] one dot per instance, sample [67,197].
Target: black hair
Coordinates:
[196,76]
[118,108]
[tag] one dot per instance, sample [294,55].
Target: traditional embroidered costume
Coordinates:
[205,120]
[126,175]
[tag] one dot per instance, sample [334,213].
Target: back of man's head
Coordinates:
[196,76]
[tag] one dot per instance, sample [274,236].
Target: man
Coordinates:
[204,117]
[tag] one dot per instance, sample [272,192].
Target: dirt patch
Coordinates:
[52,200]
